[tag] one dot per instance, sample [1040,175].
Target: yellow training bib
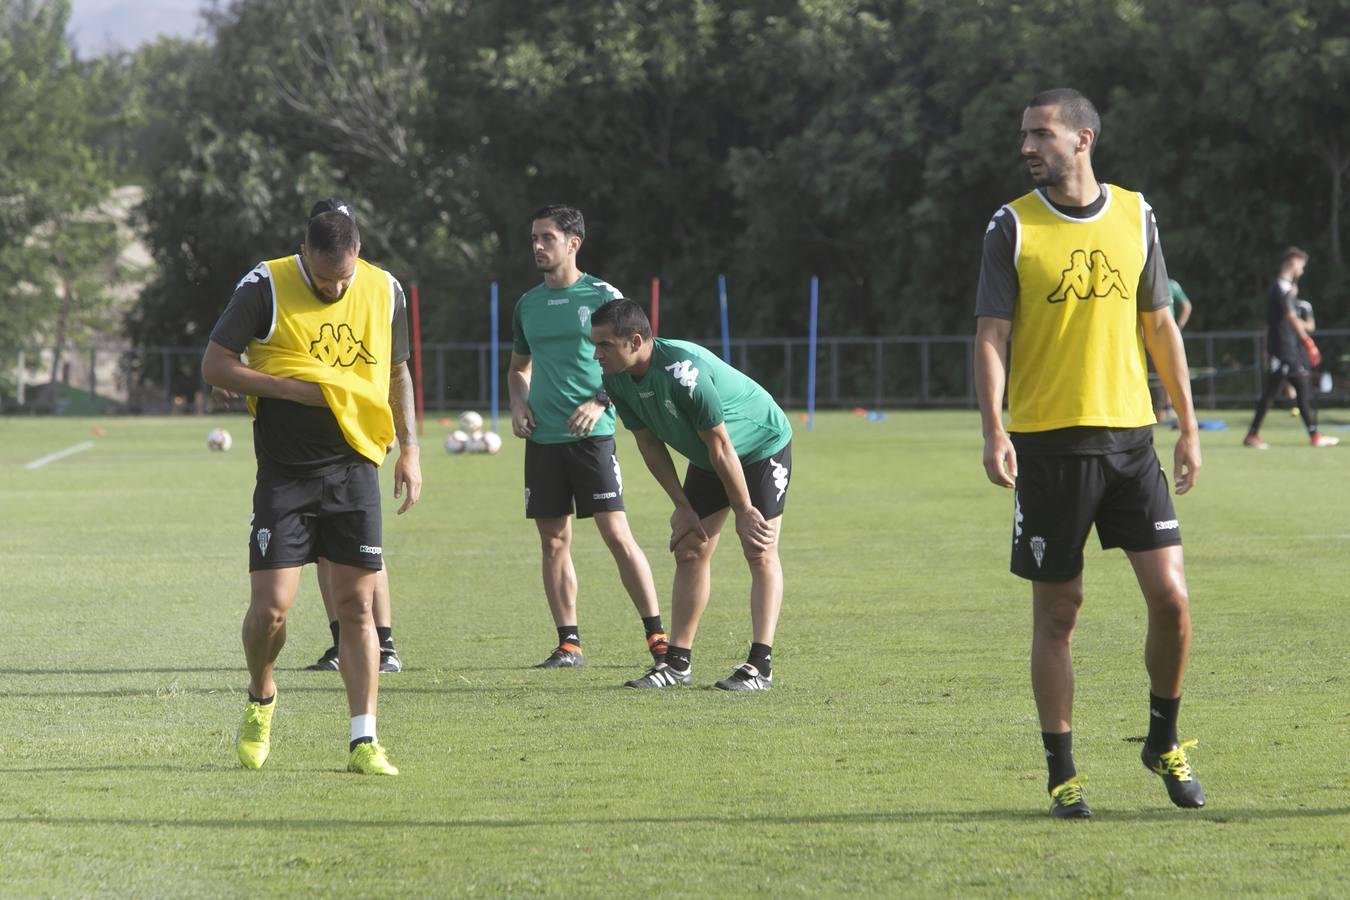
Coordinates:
[344,346]
[1077,351]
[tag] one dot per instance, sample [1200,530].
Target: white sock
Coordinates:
[363,727]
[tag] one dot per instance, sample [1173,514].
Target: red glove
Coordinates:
[1314,355]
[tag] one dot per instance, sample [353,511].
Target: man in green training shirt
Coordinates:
[739,446]
[558,408]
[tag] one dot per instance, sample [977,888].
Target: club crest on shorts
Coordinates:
[1037,548]
[264,537]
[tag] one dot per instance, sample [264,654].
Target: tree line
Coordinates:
[864,142]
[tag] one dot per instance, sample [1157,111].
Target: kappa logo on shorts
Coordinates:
[780,478]
[1017,517]
[618,476]
[527,499]
[1038,549]
[1168,525]
[264,537]
[605,495]
[374,551]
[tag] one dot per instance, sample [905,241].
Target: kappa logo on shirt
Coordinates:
[258,274]
[685,373]
[1089,277]
[339,346]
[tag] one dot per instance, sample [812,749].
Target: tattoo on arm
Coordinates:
[404,406]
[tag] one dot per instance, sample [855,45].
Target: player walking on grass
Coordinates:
[328,386]
[557,406]
[1073,274]
[1293,355]
[739,446]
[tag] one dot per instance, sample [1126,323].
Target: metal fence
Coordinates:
[871,372]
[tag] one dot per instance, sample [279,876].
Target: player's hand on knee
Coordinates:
[686,530]
[755,532]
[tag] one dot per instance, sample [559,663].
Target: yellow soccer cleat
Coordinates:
[370,759]
[255,734]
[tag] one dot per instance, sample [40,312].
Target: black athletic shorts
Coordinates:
[766,480]
[336,516]
[1059,498]
[584,473]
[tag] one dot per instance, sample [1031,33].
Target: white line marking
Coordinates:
[59,454]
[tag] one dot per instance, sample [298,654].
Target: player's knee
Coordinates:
[1171,599]
[1057,618]
[699,554]
[554,545]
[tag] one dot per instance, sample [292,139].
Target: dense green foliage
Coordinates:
[897,755]
[58,250]
[867,141]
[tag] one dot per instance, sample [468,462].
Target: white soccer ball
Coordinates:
[219,439]
[470,422]
[492,442]
[456,442]
[476,443]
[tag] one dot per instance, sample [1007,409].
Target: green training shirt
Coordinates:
[553,327]
[689,389]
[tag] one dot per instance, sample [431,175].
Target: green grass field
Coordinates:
[897,755]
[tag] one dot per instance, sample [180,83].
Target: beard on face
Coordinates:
[1051,172]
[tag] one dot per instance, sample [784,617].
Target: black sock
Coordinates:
[259,700]
[1162,723]
[761,657]
[333,627]
[678,658]
[385,637]
[568,634]
[652,624]
[361,740]
[1058,757]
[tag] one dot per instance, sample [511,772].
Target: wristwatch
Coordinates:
[602,397]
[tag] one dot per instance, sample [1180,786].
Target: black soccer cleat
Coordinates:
[661,676]
[1067,801]
[745,677]
[564,656]
[1175,771]
[326,663]
[389,661]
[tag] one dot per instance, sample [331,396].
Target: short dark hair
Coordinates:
[332,233]
[626,318]
[568,219]
[1076,110]
[1292,253]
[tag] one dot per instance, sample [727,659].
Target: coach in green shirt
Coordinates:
[739,446]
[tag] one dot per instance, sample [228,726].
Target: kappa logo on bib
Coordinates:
[1089,277]
[339,346]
